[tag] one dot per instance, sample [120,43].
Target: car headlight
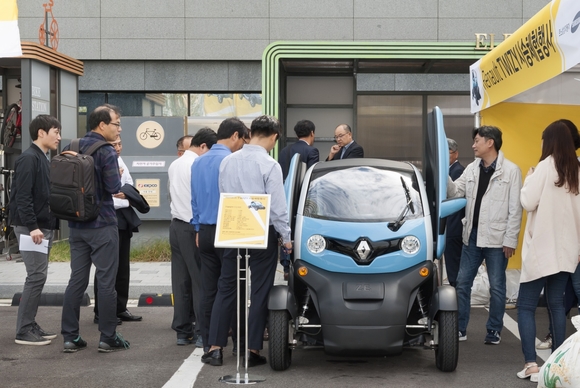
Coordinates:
[410,245]
[316,243]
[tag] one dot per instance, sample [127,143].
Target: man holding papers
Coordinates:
[30,216]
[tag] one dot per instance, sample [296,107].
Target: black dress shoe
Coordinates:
[215,357]
[128,317]
[255,360]
[96,320]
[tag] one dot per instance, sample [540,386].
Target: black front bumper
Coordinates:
[364,314]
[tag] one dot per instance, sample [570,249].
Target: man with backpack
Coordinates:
[30,215]
[96,241]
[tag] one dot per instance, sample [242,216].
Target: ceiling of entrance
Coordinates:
[342,66]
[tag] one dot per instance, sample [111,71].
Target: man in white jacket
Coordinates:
[491,184]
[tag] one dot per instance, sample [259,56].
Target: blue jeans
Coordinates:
[576,283]
[529,294]
[471,258]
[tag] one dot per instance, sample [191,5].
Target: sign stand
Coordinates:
[237,379]
[242,223]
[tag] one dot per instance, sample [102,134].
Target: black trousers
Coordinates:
[263,269]
[453,247]
[185,278]
[123,273]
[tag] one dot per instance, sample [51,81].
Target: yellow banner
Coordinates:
[8,10]
[536,52]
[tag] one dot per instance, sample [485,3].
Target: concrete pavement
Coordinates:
[146,278]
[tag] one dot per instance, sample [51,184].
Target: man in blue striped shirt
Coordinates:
[252,171]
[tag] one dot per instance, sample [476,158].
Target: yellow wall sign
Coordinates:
[243,221]
[149,189]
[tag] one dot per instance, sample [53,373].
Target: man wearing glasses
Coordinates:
[96,242]
[183,144]
[345,147]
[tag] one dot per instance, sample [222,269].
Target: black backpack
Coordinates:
[73,194]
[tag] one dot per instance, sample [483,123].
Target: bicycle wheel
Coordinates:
[8,132]
[54,34]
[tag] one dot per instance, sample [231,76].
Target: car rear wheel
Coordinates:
[447,351]
[278,344]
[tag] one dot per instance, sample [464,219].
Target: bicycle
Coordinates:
[7,235]
[45,32]
[151,133]
[11,126]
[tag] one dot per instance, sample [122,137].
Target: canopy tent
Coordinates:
[529,81]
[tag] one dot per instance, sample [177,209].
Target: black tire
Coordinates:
[447,351]
[278,343]
[8,132]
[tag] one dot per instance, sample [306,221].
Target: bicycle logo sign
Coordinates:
[48,33]
[150,134]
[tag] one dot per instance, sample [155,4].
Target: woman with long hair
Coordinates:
[551,244]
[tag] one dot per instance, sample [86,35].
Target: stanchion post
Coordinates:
[229,379]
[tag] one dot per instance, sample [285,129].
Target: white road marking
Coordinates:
[512,326]
[187,373]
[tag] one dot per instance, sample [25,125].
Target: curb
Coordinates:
[50,299]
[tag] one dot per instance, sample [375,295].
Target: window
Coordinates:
[362,194]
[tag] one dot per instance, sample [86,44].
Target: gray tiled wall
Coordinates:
[241,30]
[187,35]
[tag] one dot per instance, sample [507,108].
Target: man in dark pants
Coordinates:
[304,130]
[30,215]
[185,259]
[127,223]
[96,242]
[251,170]
[204,203]
[453,242]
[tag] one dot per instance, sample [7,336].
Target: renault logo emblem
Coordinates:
[363,250]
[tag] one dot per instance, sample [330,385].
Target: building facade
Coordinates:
[378,65]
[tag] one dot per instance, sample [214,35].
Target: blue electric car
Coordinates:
[364,277]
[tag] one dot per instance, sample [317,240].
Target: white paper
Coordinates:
[26,244]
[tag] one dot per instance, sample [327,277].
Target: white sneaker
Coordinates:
[462,336]
[546,343]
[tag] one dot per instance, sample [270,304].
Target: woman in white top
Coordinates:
[551,246]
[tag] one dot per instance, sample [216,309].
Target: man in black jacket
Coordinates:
[305,132]
[345,147]
[127,222]
[454,243]
[30,215]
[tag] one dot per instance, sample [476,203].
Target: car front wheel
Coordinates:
[447,350]
[278,344]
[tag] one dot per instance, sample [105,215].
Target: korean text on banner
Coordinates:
[10,42]
[545,46]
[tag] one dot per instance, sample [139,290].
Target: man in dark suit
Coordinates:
[345,147]
[454,226]
[305,132]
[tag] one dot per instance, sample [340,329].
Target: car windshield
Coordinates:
[362,194]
